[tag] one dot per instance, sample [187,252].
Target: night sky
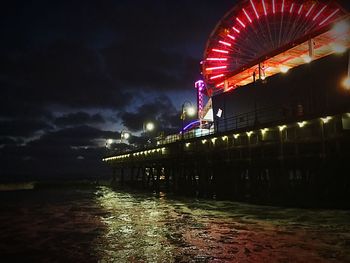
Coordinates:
[76,73]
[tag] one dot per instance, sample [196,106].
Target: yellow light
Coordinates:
[213,140]
[235,136]
[302,124]
[249,133]
[191,111]
[224,138]
[284,69]
[338,48]
[188,144]
[263,77]
[150,126]
[326,119]
[263,131]
[204,141]
[281,128]
[307,59]
[346,83]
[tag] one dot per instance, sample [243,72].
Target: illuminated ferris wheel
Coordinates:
[260,38]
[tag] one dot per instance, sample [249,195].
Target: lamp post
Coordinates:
[124,135]
[186,109]
[148,127]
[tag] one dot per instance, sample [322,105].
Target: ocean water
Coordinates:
[101,224]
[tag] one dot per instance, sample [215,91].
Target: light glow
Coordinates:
[341,28]
[264,7]
[308,12]
[301,8]
[307,59]
[235,136]
[282,7]
[204,141]
[217,59]
[302,124]
[326,119]
[217,76]
[291,8]
[242,24]
[235,29]
[221,84]
[224,138]
[225,43]
[317,15]
[249,133]
[284,69]
[216,68]
[282,127]
[256,13]
[346,83]
[265,130]
[273,6]
[150,126]
[191,111]
[232,37]
[220,51]
[248,17]
[338,48]
[329,17]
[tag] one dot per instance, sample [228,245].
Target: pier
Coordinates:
[298,161]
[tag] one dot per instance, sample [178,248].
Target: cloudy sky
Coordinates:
[76,73]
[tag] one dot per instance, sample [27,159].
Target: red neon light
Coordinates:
[247,15]
[242,24]
[221,84]
[232,37]
[263,3]
[216,68]
[217,76]
[319,13]
[301,7]
[273,6]
[308,12]
[230,88]
[291,8]
[220,51]
[329,17]
[282,7]
[235,29]
[217,59]
[225,43]
[256,13]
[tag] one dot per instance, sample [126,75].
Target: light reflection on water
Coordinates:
[99,224]
[146,228]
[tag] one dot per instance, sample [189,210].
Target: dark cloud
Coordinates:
[63,73]
[92,56]
[22,128]
[161,111]
[79,118]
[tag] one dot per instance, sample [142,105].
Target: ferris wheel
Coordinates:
[265,37]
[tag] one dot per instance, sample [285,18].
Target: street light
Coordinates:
[148,127]
[124,135]
[186,109]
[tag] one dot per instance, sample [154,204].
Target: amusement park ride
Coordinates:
[258,39]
